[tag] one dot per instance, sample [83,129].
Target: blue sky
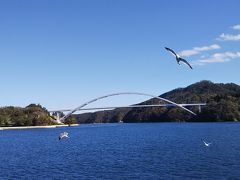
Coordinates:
[62,53]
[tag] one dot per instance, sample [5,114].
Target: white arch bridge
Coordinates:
[168,104]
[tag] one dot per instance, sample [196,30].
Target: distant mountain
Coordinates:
[223,104]
[108,116]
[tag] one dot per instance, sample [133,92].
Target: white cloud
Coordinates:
[217,58]
[198,50]
[236,27]
[229,37]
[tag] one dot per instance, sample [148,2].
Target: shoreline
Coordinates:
[36,127]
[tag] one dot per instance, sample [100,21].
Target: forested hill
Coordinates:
[32,115]
[223,104]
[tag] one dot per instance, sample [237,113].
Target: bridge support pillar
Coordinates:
[56,115]
[199,109]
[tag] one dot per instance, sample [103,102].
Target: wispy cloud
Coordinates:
[229,37]
[218,58]
[236,27]
[198,50]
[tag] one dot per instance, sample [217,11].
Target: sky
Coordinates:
[62,53]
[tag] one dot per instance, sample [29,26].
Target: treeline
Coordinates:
[223,104]
[32,115]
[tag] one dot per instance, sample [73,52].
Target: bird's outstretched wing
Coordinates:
[205,143]
[65,133]
[185,61]
[172,51]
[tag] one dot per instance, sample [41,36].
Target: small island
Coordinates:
[32,115]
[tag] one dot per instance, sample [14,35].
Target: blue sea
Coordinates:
[123,151]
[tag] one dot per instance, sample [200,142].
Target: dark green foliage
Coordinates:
[109,116]
[32,115]
[70,120]
[223,104]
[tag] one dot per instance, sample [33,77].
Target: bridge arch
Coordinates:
[123,93]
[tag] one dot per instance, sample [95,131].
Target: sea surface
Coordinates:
[123,151]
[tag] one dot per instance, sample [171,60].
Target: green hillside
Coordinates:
[32,115]
[223,104]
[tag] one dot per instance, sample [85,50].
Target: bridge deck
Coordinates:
[132,106]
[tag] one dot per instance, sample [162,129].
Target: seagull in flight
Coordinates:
[63,135]
[178,58]
[206,144]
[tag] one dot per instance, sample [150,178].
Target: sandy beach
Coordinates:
[36,127]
